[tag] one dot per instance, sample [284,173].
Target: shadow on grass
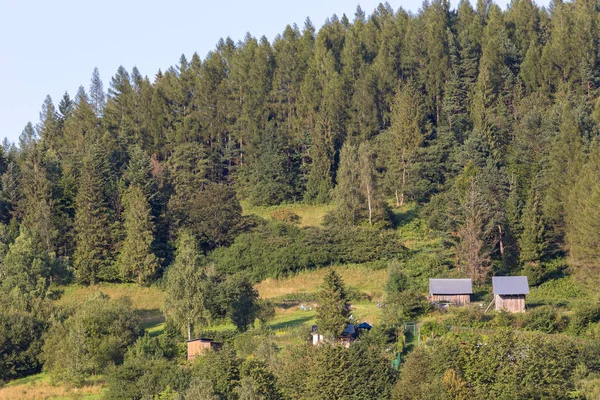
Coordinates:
[481,295]
[151,321]
[404,218]
[291,323]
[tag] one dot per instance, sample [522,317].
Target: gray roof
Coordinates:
[450,286]
[510,285]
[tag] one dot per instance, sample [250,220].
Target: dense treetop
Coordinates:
[487,117]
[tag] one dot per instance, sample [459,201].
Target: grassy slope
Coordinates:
[39,387]
[310,215]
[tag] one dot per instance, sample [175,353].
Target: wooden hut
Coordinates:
[199,346]
[455,291]
[510,292]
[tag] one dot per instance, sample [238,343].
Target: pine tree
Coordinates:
[333,310]
[473,251]
[347,194]
[93,239]
[272,176]
[36,206]
[532,242]
[408,131]
[48,126]
[368,185]
[65,107]
[97,95]
[10,194]
[136,260]
[565,160]
[583,218]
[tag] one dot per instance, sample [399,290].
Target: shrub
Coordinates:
[277,249]
[544,319]
[584,315]
[95,336]
[286,215]
[468,316]
[20,344]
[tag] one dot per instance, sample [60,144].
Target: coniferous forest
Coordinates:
[444,143]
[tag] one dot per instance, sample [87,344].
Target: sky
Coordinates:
[49,47]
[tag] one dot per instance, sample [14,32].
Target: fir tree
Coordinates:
[97,95]
[532,242]
[136,260]
[93,254]
[408,131]
[333,310]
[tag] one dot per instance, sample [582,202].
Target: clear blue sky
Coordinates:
[47,47]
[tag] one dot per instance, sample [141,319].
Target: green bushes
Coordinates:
[584,316]
[95,336]
[544,319]
[277,249]
[20,344]
[498,366]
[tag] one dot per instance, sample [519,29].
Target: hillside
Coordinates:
[321,178]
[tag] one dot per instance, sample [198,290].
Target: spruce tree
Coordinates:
[93,238]
[408,131]
[136,260]
[532,242]
[37,204]
[347,194]
[272,176]
[97,95]
[583,219]
[333,310]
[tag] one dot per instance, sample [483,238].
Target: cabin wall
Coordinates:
[457,299]
[197,347]
[512,303]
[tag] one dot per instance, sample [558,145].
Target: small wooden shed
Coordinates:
[455,291]
[198,346]
[510,292]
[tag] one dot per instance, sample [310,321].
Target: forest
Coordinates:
[444,143]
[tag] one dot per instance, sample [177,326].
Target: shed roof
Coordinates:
[450,286]
[510,285]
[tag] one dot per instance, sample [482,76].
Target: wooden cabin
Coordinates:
[199,346]
[454,291]
[510,292]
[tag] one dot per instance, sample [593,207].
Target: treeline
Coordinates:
[489,117]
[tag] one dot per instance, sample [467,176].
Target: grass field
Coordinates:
[310,215]
[37,387]
[370,282]
[147,301]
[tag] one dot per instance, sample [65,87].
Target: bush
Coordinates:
[277,249]
[543,319]
[469,316]
[405,306]
[286,215]
[20,344]
[95,336]
[584,315]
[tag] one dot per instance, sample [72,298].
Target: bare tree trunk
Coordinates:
[403,178]
[397,198]
[500,240]
[369,204]
[189,329]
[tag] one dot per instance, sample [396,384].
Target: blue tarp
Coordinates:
[364,325]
